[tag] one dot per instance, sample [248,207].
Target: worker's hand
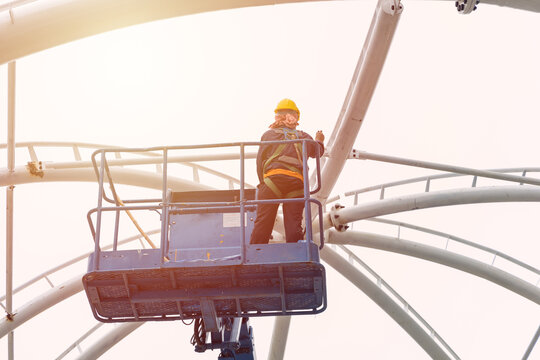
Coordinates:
[319,136]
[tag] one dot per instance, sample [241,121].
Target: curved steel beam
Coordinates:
[41,303]
[375,293]
[22,175]
[434,199]
[447,236]
[366,75]
[75,260]
[362,87]
[428,179]
[40,25]
[442,257]
[108,341]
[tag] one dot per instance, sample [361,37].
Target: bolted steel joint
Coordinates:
[334,218]
[466,6]
[392,7]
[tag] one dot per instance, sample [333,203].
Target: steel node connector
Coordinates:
[334,218]
[466,6]
[392,7]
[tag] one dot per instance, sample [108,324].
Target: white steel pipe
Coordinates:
[366,75]
[393,309]
[531,345]
[280,334]
[444,257]
[153,160]
[362,155]
[480,195]
[9,202]
[21,175]
[108,341]
[44,24]
[41,303]
[9,267]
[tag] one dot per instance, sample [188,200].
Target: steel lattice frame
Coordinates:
[340,144]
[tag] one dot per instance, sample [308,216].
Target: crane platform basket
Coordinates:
[205,267]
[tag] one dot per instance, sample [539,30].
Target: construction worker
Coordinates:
[280,171]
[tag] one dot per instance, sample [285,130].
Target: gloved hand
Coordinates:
[319,136]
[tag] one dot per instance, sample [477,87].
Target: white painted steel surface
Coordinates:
[280,334]
[41,303]
[444,257]
[363,155]
[386,303]
[434,199]
[9,200]
[398,299]
[340,143]
[44,24]
[105,343]
[366,75]
[124,176]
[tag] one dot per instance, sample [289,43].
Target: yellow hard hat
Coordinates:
[287,104]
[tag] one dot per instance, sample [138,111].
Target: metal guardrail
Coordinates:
[101,168]
[79,162]
[45,275]
[469,243]
[428,179]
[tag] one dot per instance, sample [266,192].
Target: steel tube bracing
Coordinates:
[531,344]
[428,179]
[434,199]
[374,292]
[444,257]
[9,202]
[362,155]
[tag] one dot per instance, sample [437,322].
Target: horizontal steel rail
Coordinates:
[428,179]
[151,158]
[80,340]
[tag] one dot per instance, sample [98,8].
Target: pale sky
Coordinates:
[455,89]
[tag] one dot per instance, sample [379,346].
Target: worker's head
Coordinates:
[286,114]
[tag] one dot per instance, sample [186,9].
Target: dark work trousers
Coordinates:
[266,213]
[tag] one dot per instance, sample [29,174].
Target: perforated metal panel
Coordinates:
[175,293]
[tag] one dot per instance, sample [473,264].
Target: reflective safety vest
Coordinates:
[294,165]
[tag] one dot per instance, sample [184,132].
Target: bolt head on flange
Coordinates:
[466,6]
[334,216]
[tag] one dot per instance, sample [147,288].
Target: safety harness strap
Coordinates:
[292,170]
[279,194]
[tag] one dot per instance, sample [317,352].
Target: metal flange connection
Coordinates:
[392,7]
[334,218]
[466,6]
